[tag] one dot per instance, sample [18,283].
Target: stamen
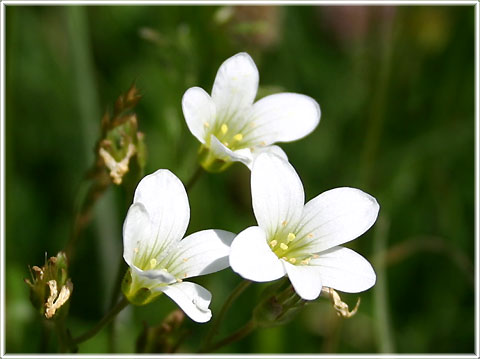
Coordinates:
[305,261]
[292,260]
[315,256]
[284,223]
[185,259]
[310,235]
[206,124]
[238,137]
[273,243]
[135,250]
[153,263]
[224,128]
[226,144]
[283,246]
[290,237]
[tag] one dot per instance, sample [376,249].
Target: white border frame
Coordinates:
[4,3]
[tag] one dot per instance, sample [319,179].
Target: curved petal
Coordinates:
[201,253]
[273,149]
[345,270]
[136,233]
[277,193]
[199,111]
[335,217]
[224,153]
[166,203]
[282,117]
[152,278]
[192,298]
[235,85]
[252,258]
[305,279]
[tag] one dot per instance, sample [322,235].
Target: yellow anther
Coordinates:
[283,246]
[310,235]
[315,256]
[135,250]
[284,223]
[263,143]
[305,261]
[273,243]
[153,263]
[252,124]
[238,137]
[292,260]
[290,237]
[185,259]
[224,129]
[285,258]
[206,124]
[179,280]
[226,143]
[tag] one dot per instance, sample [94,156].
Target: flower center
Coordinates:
[228,136]
[284,245]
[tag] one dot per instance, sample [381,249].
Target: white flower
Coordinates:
[302,241]
[159,260]
[233,128]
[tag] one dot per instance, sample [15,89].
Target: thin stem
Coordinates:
[196,175]
[236,336]
[104,321]
[115,294]
[233,296]
[62,336]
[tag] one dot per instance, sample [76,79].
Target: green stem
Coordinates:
[63,339]
[115,294]
[104,321]
[236,336]
[233,296]
[196,175]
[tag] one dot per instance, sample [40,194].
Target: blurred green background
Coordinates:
[396,88]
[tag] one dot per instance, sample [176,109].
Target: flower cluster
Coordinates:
[299,240]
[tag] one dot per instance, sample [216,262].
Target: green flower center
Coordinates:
[287,246]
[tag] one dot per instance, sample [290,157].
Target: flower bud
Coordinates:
[121,148]
[50,287]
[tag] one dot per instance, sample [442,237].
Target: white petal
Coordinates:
[305,279]
[152,278]
[235,85]
[335,217]
[166,202]
[252,258]
[277,193]
[199,111]
[192,298]
[201,253]
[344,270]
[282,117]
[224,153]
[273,149]
[136,233]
